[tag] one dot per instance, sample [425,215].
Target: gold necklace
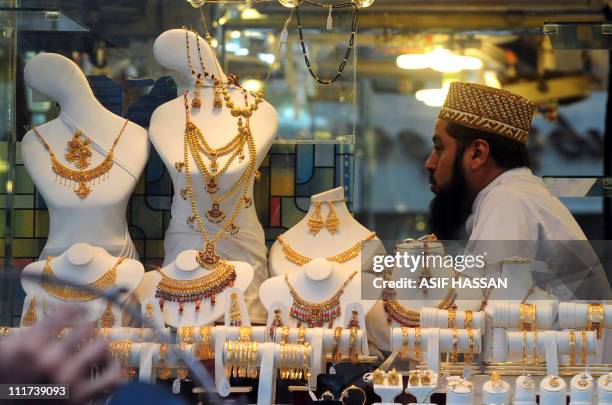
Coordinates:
[87,292]
[316,314]
[207,257]
[196,290]
[342,257]
[408,317]
[85,178]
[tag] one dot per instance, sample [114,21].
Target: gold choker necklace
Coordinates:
[408,317]
[342,257]
[196,290]
[316,314]
[85,178]
[87,292]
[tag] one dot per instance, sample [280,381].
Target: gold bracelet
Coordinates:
[467,319]
[353,345]
[206,350]
[281,365]
[345,393]
[596,319]
[583,347]
[417,343]
[572,348]
[284,335]
[524,348]
[307,372]
[245,333]
[469,357]
[163,372]
[528,317]
[452,313]
[404,352]
[453,356]
[336,353]
[301,335]
[120,351]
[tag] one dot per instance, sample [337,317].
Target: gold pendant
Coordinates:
[212,186]
[30,318]
[208,258]
[235,316]
[248,201]
[183,193]
[215,214]
[108,318]
[83,190]
[179,166]
[78,152]
[234,229]
[190,221]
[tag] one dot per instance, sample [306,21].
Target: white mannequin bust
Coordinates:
[323,244]
[82,264]
[185,267]
[100,218]
[319,281]
[167,132]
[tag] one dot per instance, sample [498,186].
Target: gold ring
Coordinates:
[345,393]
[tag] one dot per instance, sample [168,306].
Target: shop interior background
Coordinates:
[369,132]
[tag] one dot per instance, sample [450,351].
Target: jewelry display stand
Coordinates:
[438,318]
[581,389]
[496,395]
[604,389]
[460,395]
[508,315]
[435,341]
[388,392]
[324,243]
[423,393]
[184,268]
[576,316]
[99,218]
[167,129]
[83,264]
[525,391]
[552,394]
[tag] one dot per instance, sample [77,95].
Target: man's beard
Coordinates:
[450,208]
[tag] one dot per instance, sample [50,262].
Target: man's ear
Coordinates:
[478,153]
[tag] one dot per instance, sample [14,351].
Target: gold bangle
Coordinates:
[534,338]
[596,319]
[301,335]
[307,372]
[470,355]
[206,349]
[281,366]
[393,377]
[353,345]
[467,319]
[404,351]
[163,372]
[417,343]
[378,377]
[284,335]
[120,351]
[245,333]
[572,348]
[524,348]
[452,313]
[527,317]
[336,353]
[453,356]
[583,347]
[345,393]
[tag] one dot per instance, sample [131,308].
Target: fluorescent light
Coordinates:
[440,60]
[250,14]
[266,57]
[433,97]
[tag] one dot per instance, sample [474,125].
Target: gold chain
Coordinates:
[82,177]
[342,257]
[87,292]
[408,317]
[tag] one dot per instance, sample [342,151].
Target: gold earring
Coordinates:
[217,101]
[378,377]
[78,152]
[393,377]
[196,101]
[30,317]
[414,379]
[315,222]
[276,323]
[354,322]
[235,316]
[332,222]
[107,320]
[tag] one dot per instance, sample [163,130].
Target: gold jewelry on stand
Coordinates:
[345,393]
[196,290]
[496,380]
[403,354]
[583,347]
[354,321]
[336,353]
[78,151]
[284,335]
[332,222]
[378,377]
[235,314]
[353,345]
[524,334]
[417,344]
[120,351]
[469,357]
[534,337]
[148,321]
[316,314]
[30,318]
[107,320]
[413,378]
[342,257]
[527,317]
[467,319]
[554,381]
[301,338]
[425,378]
[572,348]
[206,347]
[393,377]
[245,333]
[584,381]
[453,355]
[408,317]
[452,314]
[85,178]
[607,379]
[196,101]
[276,323]
[87,292]
[228,349]
[596,319]
[315,222]
[185,334]
[163,372]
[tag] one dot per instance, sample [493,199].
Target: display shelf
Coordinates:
[44,19]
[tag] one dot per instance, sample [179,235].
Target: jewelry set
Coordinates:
[316,221]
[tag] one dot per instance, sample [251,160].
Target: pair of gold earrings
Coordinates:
[316,221]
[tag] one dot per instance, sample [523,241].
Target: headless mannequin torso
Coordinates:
[167,131]
[99,219]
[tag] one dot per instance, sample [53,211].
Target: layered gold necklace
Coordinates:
[408,317]
[296,258]
[196,290]
[87,292]
[316,314]
[84,178]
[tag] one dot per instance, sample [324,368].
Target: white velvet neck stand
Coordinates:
[323,244]
[82,264]
[185,267]
[99,219]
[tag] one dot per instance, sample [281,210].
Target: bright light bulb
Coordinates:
[289,3]
[440,60]
[252,85]
[250,14]
[433,97]
[362,3]
[412,61]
